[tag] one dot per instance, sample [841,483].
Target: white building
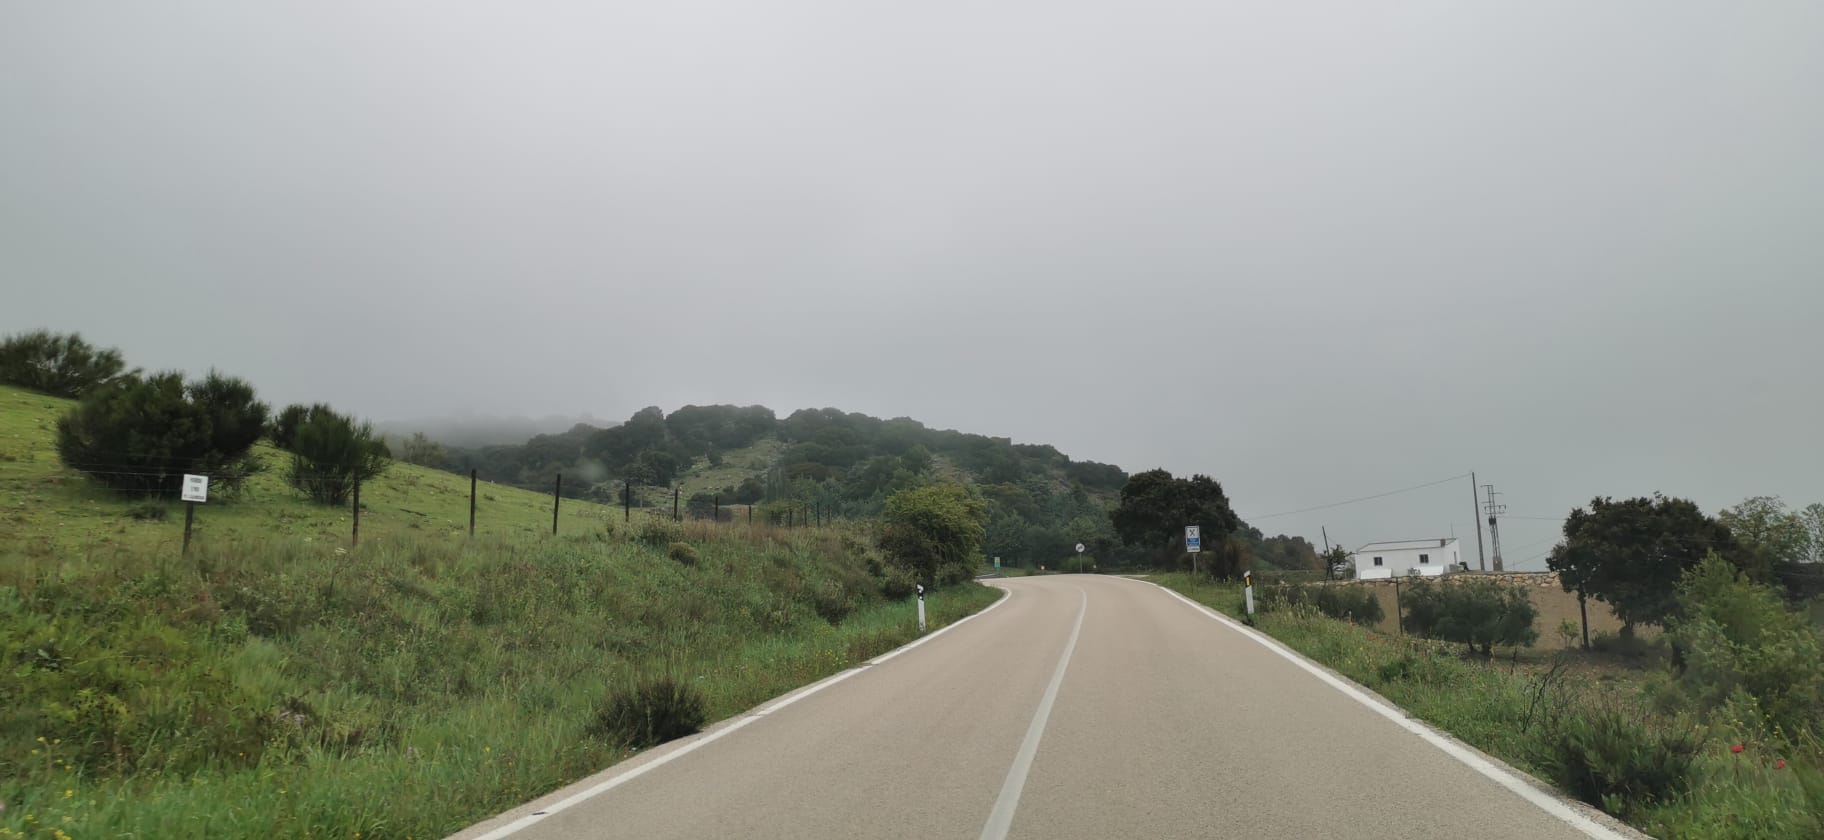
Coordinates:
[1403,558]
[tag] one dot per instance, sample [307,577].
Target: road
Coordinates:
[1079,706]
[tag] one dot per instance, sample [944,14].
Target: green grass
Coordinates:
[1500,706]
[279,682]
[47,509]
[278,688]
[738,465]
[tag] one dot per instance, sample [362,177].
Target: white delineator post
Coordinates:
[921,608]
[1247,590]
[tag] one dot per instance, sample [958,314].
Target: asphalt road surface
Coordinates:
[1078,707]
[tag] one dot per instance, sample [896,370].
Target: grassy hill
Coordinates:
[280,683]
[48,509]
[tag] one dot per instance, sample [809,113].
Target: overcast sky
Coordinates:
[1319,250]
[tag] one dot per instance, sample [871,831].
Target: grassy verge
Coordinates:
[282,688]
[1610,734]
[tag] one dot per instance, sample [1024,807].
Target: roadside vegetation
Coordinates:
[280,681]
[1724,743]
[279,688]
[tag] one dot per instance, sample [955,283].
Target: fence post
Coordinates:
[357,534]
[716,513]
[675,516]
[627,500]
[557,495]
[189,517]
[471,504]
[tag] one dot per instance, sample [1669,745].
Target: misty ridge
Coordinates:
[486,429]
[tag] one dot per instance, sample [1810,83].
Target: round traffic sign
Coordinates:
[1079,548]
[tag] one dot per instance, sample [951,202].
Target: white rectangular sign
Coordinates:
[196,488]
[1193,538]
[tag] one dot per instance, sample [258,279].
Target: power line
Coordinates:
[1362,499]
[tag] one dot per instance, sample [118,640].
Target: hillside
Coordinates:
[50,509]
[277,683]
[815,462]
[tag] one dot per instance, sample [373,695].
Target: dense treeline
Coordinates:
[1038,502]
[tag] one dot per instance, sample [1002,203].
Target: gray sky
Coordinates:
[1317,249]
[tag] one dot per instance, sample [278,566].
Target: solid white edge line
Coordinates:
[689,746]
[1000,820]
[1544,801]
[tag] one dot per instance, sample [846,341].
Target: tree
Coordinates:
[1337,565]
[1769,534]
[423,451]
[1813,517]
[143,435]
[331,452]
[935,532]
[1477,613]
[1630,553]
[59,365]
[1737,638]
[1155,507]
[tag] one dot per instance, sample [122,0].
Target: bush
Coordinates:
[423,451]
[145,434]
[1078,563]
[1478,613]
[284,428]
[1355,604]
[658,533]
[682,553]
[1739,639]
[647,712]
[1349,603]
[934,532]
[331,452]
[59,365]
[1611,758]
[148,512]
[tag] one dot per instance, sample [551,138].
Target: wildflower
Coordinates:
[67,793]
[1780,765]
[1736,749]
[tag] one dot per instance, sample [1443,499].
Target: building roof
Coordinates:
[1396,545]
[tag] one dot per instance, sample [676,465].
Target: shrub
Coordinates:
[423,451]
[284,428]
[331,452]
[658,533]
[59,365]
[832,602]
[1611,758]
[1078,563]
[1349,603]
[683,553]
[934,532]
[1740,638]
[148,512]
[1355,604]
[645,712]
[144,434]
[1479,613]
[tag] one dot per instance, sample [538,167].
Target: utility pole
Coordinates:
[1476,508]
[471,504]
[557,497]
[1493,508]
[1329,568]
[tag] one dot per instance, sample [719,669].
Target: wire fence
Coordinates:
[160,479]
